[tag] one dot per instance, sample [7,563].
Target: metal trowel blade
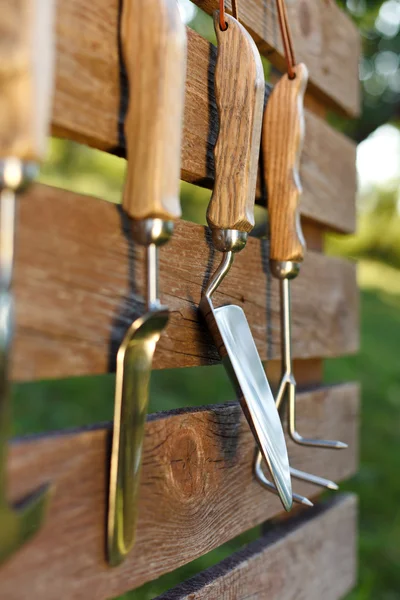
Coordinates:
[134,364]
[244,366]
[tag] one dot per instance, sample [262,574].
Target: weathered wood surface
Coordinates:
[312,556]
[197,466]
[325,39]
[78,278]
[89,107]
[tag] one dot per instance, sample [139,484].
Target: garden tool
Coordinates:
[282,141]
[239,91]
[26,75]
[154,49]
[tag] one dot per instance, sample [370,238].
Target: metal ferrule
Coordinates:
[152,231]
[15,175]
[229,240]
[284,269]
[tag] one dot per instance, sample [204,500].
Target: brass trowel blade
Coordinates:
[247,370]
[134,363]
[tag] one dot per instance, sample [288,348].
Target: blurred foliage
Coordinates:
[379,25]
[83,170]
[378,228]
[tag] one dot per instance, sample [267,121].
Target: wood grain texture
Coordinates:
[153,40]
[78,288]
[197,465]
[325,39]
[312,556]
[239,92]
[282,145]
[90,108]
[26,77]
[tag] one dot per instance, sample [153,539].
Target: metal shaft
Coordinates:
[7,234]
[152,294]
[220,273]
[286,328]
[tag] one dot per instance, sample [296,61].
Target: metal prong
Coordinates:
[309,478]
[288,377]
[260,476]
[299,439]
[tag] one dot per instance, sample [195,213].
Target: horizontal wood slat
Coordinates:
[324,38]
[313,556]
[89,107]
[77,284]
[197,492]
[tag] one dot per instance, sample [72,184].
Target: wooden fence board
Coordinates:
[88,108]
[312,556]
[324,38]
[197,492]
[77,285]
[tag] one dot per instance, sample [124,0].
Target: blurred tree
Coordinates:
[379,25]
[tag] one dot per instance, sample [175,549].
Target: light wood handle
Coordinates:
[239,93]
[282,143]
[26,77]
[154,47]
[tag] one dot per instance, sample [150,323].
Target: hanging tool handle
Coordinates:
[239,93]
[154,47]
[26,77]
[282,142]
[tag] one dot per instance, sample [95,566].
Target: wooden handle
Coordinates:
[282,142]
[26,77]
[239,92]
[154,46]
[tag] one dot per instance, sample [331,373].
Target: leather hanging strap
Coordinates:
[287,40]
[235,12]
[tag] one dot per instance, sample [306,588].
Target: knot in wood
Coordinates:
[187,464]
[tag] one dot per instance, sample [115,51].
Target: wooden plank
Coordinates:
[324,38]
[308,373]
[312,556]
[78,278]
[89,107]
[197,465]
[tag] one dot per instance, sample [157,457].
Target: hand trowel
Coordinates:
[239,91]
[154,48]
[26,77]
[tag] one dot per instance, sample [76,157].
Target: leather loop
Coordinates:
[286,38]
[235,13]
